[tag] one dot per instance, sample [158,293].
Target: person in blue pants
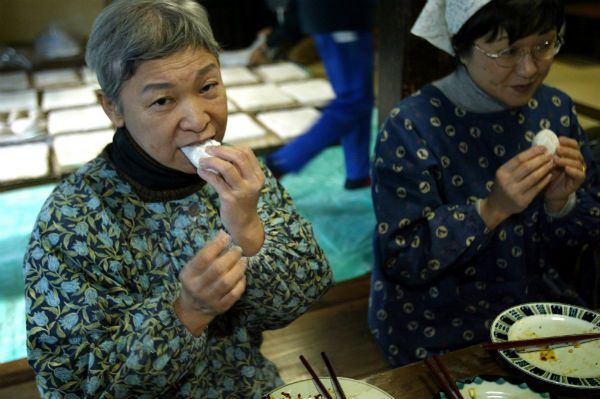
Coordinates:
[342,33]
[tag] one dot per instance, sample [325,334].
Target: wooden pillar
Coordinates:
[405,62]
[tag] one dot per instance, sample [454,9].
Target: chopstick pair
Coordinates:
[339,392]
[542,343]
[443,379]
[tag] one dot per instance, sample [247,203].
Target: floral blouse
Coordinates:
[440,276]
[101,277]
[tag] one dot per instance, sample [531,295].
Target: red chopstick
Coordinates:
[339,392]
[535,342]
[316,379]
[444,380]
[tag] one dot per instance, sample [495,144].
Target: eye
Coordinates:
[208,87]
[161,102]
[508,52]
[540,48]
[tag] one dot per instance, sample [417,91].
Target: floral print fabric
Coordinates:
[101,276]
[440,275]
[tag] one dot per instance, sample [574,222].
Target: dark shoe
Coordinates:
[358,183]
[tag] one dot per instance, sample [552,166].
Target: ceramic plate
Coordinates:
[571,366]
[305,389]
[488,387]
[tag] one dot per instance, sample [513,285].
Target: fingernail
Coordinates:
[239,249]
[209,150]
[223,235]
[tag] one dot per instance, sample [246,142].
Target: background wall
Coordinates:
[235,22]
[22,20]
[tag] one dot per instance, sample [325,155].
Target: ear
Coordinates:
[111,109]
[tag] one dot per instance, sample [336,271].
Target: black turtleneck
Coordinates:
[151,180]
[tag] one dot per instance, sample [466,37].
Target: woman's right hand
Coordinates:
[517,183]
[211,282]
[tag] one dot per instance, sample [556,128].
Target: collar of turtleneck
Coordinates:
[151,180]
[463,92]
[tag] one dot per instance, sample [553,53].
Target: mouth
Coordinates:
[198,142]
[523,89]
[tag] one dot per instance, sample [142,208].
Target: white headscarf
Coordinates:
[441,19]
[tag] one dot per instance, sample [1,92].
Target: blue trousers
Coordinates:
[348,62]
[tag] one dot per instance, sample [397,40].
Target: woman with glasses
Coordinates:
[471,217]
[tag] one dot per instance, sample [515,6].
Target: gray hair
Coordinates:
[128,32]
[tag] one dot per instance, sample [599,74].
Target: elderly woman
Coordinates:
[147,277]
[471,218]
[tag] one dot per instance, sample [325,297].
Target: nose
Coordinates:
[527,66]
[193,116]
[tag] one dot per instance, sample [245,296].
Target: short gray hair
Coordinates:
[129,32]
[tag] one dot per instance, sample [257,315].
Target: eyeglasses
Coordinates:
[510,57]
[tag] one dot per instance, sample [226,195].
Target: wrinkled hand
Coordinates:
[517,183]
[211,282]
[567,176]
[238,183]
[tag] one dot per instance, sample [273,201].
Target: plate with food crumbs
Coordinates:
[571,366]
[488,387]
[305,389]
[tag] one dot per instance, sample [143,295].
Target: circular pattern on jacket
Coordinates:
[556,101]
[400,152]
[441,232]
[422,153]
[533,103]
[435,121]
[424,187]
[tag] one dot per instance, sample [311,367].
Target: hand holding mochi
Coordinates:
[548,139]
[196,152]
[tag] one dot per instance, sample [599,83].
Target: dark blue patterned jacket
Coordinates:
[440,275]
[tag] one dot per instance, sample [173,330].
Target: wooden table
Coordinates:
[414,381]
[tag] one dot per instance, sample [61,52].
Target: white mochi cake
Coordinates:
[196,152]
[548,139]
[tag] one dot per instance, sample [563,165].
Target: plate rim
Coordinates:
[509,355]
[495,378]
[329,378]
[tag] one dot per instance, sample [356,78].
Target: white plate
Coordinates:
[572,366]
[305,389]
[499,388]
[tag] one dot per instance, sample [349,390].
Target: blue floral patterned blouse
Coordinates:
[101,276]
[440,275]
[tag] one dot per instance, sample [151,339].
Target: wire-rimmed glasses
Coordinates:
[511,56]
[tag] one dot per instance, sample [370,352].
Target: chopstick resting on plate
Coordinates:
[318,384]
[444,379]
[542,343]
[339,392]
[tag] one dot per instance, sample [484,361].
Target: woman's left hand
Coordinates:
[238,182]
[567,176]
